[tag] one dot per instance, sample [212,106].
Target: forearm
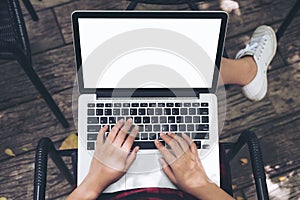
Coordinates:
[89,189]
[211,192]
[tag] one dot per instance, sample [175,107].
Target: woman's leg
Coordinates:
[239,72]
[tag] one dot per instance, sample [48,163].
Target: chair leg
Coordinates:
[192,5]
[132,5]
[45,148]
[31,10]
[44,92]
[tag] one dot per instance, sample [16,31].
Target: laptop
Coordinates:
[158,68]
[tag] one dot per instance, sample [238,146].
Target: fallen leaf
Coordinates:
[234,187]
[3,198]
[25,149]
[239,198]
[9,152]
[281,178]
[71,142]
[244,161]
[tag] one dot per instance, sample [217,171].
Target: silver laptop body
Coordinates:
[161,69]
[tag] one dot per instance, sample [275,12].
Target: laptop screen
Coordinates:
[148,52]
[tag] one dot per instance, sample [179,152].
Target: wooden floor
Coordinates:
[25,117]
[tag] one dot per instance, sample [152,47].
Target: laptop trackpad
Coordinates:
[146,172]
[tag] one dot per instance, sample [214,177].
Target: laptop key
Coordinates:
[152,136]
[118,105]
[167,111]
[178,104]
[108,105]
[188,119]
[90,112]
[92,136]
[100,104]
[195,104]
[205,104]
[183,111]
[154,120]
[134,104]
[202,127]
[107,112]
[179,119]
[119,118]
[187,104]
[192,111]
[163,119]
[202,111]
[152,104]
[126,104]
[91,105]
[144,136]
[160,104]
[137,120]
[99,111]
[171,119]
[133,111]
[141,128]
[175,111]
[93,120]
[116,111]
[165,128]
[144,104]
[112,120]
[125,111]
[205,119]
[182,127]
[173,127]
[103,120]
[146,120]
[158,111]
[200,136]
[196,119]
[91,146]
[150,111]
[198,144]
[142,111]
[170,104]
[93,128]
[148,128]
[156,128]
[190,127]
[145,144]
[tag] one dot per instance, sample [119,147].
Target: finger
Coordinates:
[114,131]
[167,170]
[168,156]
[173,144]
[192,145]
[182,142]
[100,136]
[131,158]
[130,139]
[123,132]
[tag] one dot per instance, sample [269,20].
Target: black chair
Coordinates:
[14,45]
[46,147]
[191,3]
[31,10]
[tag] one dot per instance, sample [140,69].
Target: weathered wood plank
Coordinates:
[17,175]
[55,68]
[24,125]
[289,44]
[63,13]
[42,5]
[282,97]
[43,34]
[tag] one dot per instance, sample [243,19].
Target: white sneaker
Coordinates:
[262,47]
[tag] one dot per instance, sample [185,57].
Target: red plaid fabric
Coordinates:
[148,194]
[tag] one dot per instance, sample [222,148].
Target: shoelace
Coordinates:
[254,45]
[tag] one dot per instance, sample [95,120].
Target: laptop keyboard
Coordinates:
[191,118]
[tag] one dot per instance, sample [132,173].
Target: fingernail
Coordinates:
[121,120]
[129,120]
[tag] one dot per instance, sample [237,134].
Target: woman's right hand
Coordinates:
[183,167]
